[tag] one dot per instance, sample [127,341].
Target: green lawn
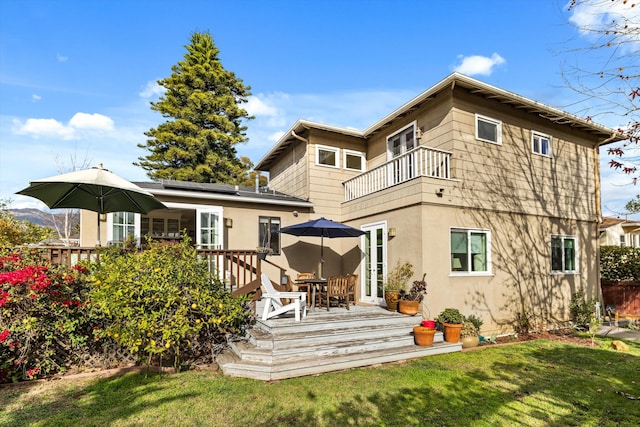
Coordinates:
[537,383]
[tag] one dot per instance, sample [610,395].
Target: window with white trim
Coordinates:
[564,254]
[402,141]
[269,233]
[123,226]
[488,129]
[354,160]
[623,240]
[541,143]
[470,251]
[327,156]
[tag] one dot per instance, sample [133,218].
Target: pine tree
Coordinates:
[205,122]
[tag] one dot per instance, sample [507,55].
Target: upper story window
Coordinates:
[541,143]
[470,251]
[354,160]
[488,129]
[327,156]
[269,233]
[402,141]
[564,254]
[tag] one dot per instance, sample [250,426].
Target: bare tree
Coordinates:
[606,72]
[66,222]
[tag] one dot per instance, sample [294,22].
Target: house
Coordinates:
[619,232]
[494,196]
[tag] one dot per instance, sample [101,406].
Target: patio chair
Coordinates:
[352,283]
[336,290]
[273,306]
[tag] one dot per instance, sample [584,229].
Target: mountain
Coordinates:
[47,219]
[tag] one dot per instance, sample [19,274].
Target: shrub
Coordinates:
[620,263]
[162,302]
[44,323]
[582,311]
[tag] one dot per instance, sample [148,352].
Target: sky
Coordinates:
[77,77]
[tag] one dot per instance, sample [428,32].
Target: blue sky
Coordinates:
[76,77]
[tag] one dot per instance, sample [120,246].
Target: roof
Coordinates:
[221,192]
[476,87]
[610,221]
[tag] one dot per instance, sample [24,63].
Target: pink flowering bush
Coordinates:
[45,318]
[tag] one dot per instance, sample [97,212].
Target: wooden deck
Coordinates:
[324,342]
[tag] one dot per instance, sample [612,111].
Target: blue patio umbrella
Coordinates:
[322,228]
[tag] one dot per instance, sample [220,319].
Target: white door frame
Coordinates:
[373,270]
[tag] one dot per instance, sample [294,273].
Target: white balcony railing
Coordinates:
[421,161]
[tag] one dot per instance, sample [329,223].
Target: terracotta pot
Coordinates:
[472,341]
[452,332]
[423,336]
[391,298]
[408,307]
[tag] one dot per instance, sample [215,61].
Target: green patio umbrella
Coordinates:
[94,189]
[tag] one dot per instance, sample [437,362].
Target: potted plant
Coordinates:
[469,335]
[477,322]
[424,333]
[263,252]
[396,280]
[409,302]
[451,319]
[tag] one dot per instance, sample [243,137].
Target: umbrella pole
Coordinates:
[321,257]
[98,241]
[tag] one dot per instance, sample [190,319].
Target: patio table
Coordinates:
[313,285]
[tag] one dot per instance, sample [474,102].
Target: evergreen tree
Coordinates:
[201,102]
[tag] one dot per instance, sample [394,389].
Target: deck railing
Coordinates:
[237,269]
[421,161]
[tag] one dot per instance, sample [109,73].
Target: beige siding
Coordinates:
[509,177]
[289,174]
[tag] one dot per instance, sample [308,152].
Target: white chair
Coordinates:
[274,307]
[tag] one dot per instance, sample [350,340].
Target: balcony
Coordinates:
[419,162]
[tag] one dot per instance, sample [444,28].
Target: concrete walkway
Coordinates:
[612,331]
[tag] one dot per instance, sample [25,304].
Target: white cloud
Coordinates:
[478,65]
[62,58]
[593,17]
[256,106]
[152,90]
[35,97]
[53,128]
[43,127]
[91,121]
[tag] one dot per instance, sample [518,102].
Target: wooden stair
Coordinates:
[324,341]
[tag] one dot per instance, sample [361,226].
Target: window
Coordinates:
[327,156]
[563,254]
[269,233]
[402,141]
[123,226]
[470,251]
[623,240]
[354,160]
[158,227]
[489,130]
[541,143]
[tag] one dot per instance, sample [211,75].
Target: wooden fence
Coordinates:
[625,296]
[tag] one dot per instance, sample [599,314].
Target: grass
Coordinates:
[536,383]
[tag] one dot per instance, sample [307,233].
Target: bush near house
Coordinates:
[45,326]
[160,303]
[620,263]
[163,303]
